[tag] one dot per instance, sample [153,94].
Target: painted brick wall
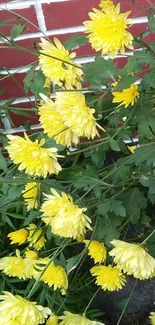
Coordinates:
[61,18]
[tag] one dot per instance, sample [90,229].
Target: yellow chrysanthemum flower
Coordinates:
[18,237]
[108,30]
[152,318]
[126,97]
[53,320]
[132,148]
[63,74]
[108,277]
[133,259]
[66,218]
[96,250]
[53,275]
[17,310]
[30,195]
[35,238]
[52,123]
[104,4]
[16,266]
[32,157]
[32,255]
[76,114]
[75,319]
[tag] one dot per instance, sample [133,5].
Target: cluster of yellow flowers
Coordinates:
[32,234]
[32,157]
[108,277]
[132,259]
[65,218]
[68,118]
[57,64]
[31,266]
[17,310]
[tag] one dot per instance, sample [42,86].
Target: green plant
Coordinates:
[105,174]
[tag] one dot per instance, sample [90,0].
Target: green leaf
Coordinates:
[74,41]
[151,21]
[29,77]
[9,222]
[15,192]
[6,22]
[144,57]
[144,34]
[114,145]
[133,201]
[3,163]
[31,217]
[149,181]
[49,143]
[100,71]
[37,86]
[107,228]
[114,206]
[144,153]
[15,215]
[62,260]
[145,218]
[98,156]
[125,82]
[81,177]
[149,80]
[135,63]
[71,263]
[145,127]
[17,30]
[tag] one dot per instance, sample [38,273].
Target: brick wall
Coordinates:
[60,18]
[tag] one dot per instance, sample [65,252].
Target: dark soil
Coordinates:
[139,306]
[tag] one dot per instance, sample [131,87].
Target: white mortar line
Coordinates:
[11,130]
[81,60]
[39,127]
[139,20]
[21,100]
[53,32]
[67,30]
[15,5]
[40,16]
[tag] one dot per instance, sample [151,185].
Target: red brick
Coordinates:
[28,13]
[12,89]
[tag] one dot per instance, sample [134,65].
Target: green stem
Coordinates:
[102,179]
[58,251]
[19,85]
[79,263]
[91,300]
[147,238]
[140,41]
[18,70]
[105,140]
[126,305]
[38,53]
[19,109]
